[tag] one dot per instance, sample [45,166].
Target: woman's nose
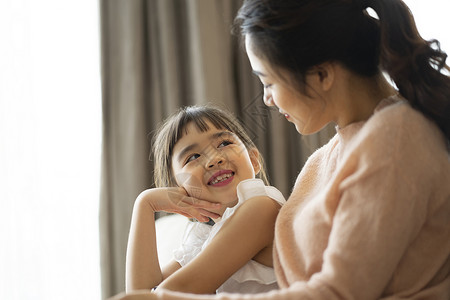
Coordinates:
[268,100]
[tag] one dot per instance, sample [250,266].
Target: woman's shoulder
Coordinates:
[399,135]
[396,122]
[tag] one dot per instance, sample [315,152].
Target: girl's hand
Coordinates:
[177,200]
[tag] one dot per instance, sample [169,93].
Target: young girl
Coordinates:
[203,152]
[368,217]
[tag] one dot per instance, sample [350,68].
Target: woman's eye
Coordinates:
[266,86]
[225,143]
[192,158]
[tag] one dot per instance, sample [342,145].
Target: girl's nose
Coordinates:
[268,100]
[215,161]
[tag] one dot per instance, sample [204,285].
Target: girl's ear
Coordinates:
[254,158]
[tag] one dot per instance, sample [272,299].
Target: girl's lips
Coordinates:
[221,178]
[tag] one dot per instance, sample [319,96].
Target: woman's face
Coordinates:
[309,114]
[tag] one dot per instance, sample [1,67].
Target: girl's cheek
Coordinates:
[194,191]
[190,183]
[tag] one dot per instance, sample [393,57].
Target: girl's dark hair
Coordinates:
[296,35]
[174,128]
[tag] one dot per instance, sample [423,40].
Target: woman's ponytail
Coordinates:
[416,66]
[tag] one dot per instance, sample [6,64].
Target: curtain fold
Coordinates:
[160,55]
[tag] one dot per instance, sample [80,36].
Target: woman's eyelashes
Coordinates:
[266,86]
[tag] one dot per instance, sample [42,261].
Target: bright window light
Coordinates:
[50,139]
[432,20]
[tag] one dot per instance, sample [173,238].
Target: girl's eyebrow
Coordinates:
[186,150]
[195,145]
[221,133]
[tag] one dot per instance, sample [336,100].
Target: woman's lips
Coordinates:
[221,178]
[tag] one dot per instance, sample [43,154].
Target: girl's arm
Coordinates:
[142,266]
[248,231]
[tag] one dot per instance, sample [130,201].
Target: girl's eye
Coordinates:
[266,86]
[225,143]
[192,158]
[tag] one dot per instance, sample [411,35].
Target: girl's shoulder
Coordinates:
[249,188]
[253,195]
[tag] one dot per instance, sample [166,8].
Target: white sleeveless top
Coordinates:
[253,277]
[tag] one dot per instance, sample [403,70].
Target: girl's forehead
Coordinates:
[199,126]
[191,131]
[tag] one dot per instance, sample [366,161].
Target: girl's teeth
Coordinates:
[220,178]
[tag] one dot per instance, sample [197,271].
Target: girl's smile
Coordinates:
[221,178]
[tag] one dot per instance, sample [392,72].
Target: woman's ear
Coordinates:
[254,158]
[326,73]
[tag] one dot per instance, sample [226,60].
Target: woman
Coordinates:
[369,215]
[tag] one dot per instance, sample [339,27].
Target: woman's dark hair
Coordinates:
[174,128]
[296,35]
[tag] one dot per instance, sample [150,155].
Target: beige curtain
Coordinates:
[159,55]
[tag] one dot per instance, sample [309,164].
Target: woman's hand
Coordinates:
[135,295]
[177,200]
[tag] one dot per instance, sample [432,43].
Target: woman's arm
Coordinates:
[142,266]
[248,231]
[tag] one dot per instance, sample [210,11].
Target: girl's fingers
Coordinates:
[208,214]
[201,203]
[200,209]
[200,217]
[183,213]
[193,214]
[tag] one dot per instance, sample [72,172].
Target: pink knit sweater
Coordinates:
[369,216]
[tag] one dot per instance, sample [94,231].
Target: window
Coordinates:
[432,20]
[50,139]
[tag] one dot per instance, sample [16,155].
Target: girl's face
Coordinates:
[309,114]
[209,165]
